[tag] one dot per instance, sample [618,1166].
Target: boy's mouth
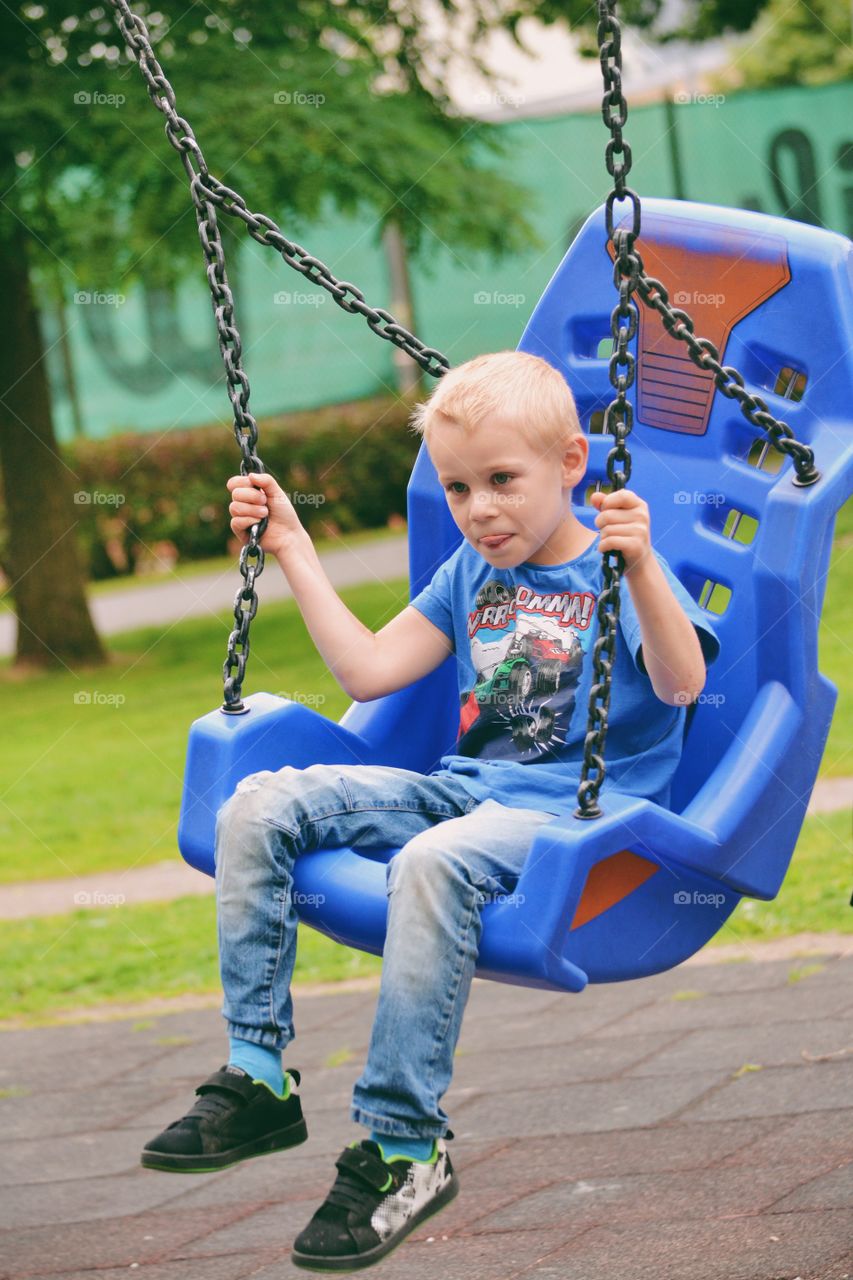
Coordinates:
[495,540]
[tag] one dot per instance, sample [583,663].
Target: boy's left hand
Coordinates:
[623,519]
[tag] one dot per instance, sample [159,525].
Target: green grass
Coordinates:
[92,787]
[130,954]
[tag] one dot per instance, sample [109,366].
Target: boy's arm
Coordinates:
[366,664]
[672,654]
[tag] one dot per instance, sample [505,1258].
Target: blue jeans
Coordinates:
[455,852]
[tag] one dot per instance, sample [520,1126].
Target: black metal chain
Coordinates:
[208,194]
[629,276]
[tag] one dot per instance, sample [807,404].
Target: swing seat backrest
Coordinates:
[642,888]
[751,547]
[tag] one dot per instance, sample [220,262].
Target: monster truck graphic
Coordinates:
[494,592]
[535,662]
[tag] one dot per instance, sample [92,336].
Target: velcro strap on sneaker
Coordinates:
[366,1166]
[230,1082]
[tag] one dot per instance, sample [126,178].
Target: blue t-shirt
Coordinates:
[523,640]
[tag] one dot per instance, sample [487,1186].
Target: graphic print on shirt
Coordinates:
[528,651]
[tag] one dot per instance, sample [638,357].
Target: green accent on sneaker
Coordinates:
[285,1091]
[390,1159]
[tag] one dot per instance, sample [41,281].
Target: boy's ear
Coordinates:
[574,460]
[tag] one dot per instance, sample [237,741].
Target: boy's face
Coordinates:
[511,501]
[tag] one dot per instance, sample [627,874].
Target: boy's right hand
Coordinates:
[255,496]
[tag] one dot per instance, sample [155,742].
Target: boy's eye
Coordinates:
[502,477]
[457,486]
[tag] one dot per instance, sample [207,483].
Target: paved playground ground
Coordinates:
[691,1126]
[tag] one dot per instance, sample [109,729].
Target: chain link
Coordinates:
[629,277]
[208,195]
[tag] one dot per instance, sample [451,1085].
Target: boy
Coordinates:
[516,603]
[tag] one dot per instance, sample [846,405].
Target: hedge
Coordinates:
[144,496]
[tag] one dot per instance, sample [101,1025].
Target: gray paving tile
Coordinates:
[833,1190]
[800,1003]
[82,1110]
[642,1198]
[774,1045]
[582,1108]
[761,1247]
[113,1242]
[816,1137]
[780,1091]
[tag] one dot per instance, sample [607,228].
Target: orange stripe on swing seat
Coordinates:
[609,882]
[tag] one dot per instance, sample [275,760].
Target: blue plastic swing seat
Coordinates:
[604,900]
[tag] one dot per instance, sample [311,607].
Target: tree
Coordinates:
[294,103]
[800,43]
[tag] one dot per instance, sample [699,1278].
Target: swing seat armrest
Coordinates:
[223,749]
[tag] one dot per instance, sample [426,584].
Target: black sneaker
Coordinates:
[235,1118]
[373,1205]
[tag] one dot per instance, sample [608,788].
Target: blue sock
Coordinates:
[259,1062]
[408,1148]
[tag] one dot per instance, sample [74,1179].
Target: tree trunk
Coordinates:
[55,627]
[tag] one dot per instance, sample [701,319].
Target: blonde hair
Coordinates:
[513,382]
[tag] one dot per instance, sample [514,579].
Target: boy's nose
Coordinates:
[483,508]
